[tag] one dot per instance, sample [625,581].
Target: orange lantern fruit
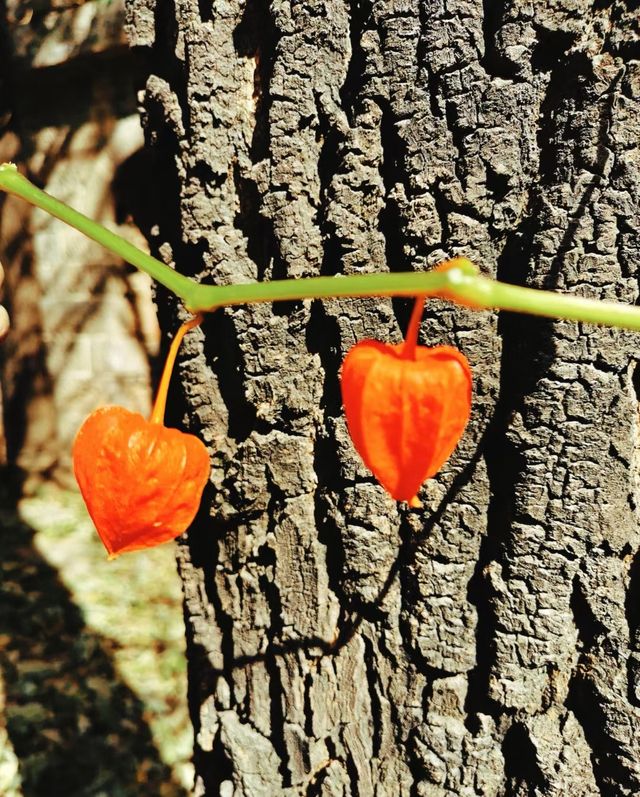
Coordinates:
[406,408]
[142,482]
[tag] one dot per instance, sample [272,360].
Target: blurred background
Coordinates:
[92,667]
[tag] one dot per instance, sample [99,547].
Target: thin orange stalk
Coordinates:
[411,338]
[157,414]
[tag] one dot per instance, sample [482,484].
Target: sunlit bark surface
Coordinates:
[341,644]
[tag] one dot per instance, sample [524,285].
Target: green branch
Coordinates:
[458,280]
[13,182]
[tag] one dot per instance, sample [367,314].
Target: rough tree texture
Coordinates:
[340,644]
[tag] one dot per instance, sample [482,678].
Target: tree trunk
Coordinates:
[341,644]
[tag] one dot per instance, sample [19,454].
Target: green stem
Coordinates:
[458,280]
[14,183]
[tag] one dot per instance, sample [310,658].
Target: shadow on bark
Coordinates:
[76,727]
[353,615]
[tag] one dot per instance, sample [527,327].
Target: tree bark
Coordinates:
[340,644]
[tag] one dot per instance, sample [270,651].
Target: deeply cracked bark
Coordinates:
[340,644]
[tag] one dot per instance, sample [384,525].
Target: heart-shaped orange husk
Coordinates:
[141,481]
[405,414]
